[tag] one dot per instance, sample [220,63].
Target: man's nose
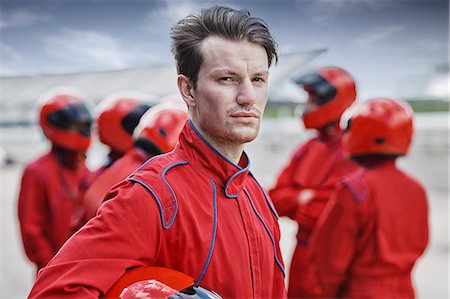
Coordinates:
[246,93]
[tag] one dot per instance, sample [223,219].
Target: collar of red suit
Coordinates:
[204,157]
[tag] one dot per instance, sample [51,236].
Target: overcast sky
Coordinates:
[392,47]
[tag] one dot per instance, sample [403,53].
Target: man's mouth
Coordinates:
[245,114]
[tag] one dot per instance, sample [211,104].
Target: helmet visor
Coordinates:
[131,120]
[320,90]
[74,117]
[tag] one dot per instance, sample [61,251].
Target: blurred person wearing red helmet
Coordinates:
[376,226]
[197,209]
[157,283]
[47,206]
[307,181]
[118,114]
[156,133]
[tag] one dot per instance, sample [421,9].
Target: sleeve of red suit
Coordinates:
[96,256]
[32,212]
[334,241]
[285,192]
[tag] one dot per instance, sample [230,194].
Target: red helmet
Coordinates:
[66,121]
[380,126]
[157,282]
[161,125]
[331,91]
[116,120]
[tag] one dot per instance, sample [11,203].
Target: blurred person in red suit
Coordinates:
[376,227]
[306,183]
[156,133]
[117,116]
[47,203]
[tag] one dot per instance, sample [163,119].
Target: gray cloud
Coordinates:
[86,46]
[379,34]
[22,18]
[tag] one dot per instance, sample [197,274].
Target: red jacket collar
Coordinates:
[205,158]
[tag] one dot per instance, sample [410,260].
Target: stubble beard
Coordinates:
[242,133]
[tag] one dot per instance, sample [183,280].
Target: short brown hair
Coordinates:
[188,34]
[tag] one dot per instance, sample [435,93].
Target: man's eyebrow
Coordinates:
[230,72]
[262,73]
[226,71]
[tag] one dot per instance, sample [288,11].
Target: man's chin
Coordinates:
[245,136]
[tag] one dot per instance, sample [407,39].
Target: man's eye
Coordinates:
[259,79]
[226,79]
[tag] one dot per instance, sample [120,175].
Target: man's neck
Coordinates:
[232,152]
[330,132]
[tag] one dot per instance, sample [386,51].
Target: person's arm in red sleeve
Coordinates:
[33,210]
[126,233]
[285,193]
[334,242]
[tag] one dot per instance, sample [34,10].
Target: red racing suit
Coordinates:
[371,235]
[90,202]
[118,171]
[47,207]
[314,168]
[191,210]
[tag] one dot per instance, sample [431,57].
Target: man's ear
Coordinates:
[186,89]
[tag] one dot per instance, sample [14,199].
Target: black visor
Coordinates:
[73,116]
[317,85]
[131,120]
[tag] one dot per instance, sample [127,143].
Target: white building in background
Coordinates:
[18,95]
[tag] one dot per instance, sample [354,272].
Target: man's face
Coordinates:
[232,90]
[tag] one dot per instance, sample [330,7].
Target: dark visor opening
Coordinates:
[73,117]
[322,90]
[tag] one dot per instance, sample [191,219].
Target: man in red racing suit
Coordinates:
[118,115]
[306,183]
[374,230]
[47,206]
[225,235]
[197,209]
